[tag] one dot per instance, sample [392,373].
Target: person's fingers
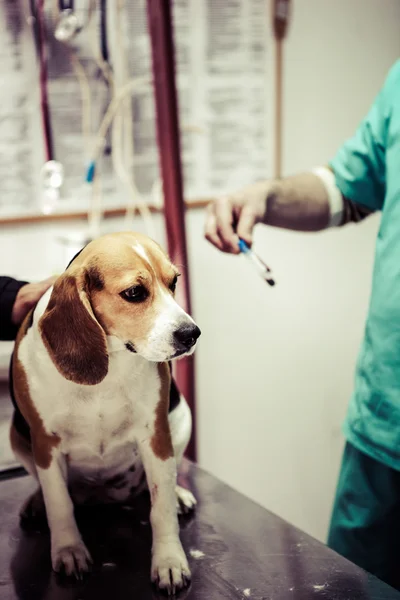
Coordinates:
[35,291]
[246,222]
[223,208]
[28,296]
[211,233]
[50,280]
[210,228]
[43,286]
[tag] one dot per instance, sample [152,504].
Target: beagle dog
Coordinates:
[97,415]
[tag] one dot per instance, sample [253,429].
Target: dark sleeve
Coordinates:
[9,289]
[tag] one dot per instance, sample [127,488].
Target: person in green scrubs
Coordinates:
[362,178]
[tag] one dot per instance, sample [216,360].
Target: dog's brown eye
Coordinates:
[137,293]
[172,285]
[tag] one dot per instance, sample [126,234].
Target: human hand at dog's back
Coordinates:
[27,298]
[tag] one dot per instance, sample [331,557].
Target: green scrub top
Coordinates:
[367,171]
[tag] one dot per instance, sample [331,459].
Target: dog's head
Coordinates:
[120,285]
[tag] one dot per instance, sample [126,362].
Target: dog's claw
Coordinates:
[186,502]
[170,572]
[72,561]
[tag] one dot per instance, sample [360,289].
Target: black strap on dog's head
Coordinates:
[76,256]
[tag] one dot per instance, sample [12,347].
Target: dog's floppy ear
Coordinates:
[72,335]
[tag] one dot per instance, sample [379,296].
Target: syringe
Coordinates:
[262,269]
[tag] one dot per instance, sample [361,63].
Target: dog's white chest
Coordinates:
[96,429]
[99,442]
[99,425]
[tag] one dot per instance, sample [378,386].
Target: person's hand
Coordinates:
[27,297]
[233,217]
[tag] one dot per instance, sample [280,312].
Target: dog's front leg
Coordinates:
[169,569]
[68,552]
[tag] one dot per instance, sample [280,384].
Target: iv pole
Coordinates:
[162,44]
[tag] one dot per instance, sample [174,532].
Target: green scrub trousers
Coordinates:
[365,526]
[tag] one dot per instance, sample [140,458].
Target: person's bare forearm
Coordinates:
[310,201]
[300,203]
[305,203]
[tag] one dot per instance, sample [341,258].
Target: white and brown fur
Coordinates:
[92,380]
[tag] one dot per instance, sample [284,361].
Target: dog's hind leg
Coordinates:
[33,511]
[180,423]
[23,451]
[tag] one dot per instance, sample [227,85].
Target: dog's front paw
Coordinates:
[185,500]
[170,569]
[72,560]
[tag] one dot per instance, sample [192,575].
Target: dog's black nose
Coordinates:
[186,336]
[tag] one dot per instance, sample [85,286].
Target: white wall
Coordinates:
[275,366]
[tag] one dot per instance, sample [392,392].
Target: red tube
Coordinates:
[161,34]
[44,101]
